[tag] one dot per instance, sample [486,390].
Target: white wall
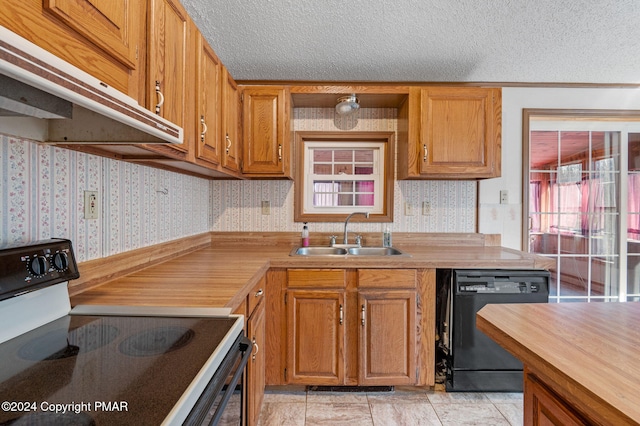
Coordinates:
[507,219]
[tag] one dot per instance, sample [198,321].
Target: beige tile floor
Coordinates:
[404,406]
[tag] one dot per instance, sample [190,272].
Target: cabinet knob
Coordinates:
[279,152]
[259,293]
[228,143]
[362,312]
[341,315]
[425,152]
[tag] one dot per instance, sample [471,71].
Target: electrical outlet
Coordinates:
[408,209]
[91,204]
[266,207]
[504,196]
[426,208]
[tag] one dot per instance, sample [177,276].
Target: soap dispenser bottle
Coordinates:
[386,237]
[305,235]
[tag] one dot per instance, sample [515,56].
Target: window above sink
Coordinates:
[343,172]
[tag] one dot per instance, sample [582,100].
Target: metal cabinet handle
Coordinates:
[259,293]
[362,312]
[425,152]
[256,348]
[160,97]
[204,128]
[341,315]
[228,143]
[279,152]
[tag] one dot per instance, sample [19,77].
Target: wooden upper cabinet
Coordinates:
[450,133]
[104,38]
[106,23]
[230,134]
[265,124]
[208,127]
[170,90]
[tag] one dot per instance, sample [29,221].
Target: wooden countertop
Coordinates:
[221,275]
[589,353]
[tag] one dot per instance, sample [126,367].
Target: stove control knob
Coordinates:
[38,265]
[60,261]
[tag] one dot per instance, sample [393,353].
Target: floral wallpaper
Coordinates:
[42,196]
[236,205]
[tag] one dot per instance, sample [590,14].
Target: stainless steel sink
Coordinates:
[376,251]
[350,251]
[318,251]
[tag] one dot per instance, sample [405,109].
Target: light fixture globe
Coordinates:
[347,105]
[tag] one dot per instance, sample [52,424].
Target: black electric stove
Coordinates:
[145,367]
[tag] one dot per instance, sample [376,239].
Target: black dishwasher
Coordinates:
[468,359]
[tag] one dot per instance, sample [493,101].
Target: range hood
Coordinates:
[44,98]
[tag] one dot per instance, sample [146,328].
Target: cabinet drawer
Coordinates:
[316,278]
[385,278]
[256,295]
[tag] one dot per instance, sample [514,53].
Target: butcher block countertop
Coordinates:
[587,353]
[221,273]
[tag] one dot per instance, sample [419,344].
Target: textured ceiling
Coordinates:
[576,41]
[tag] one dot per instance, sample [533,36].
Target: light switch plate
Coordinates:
[408,209]
[91,204]
[504,196]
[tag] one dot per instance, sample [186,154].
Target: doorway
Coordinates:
[582,201]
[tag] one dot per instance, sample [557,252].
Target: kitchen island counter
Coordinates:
[584,357]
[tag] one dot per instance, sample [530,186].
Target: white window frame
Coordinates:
[377,176]
[382,211]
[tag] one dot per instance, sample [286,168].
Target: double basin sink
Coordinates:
[347,251]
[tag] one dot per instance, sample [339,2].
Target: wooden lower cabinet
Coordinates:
[353,327]
[542,407]
[256,366]
[387,337]
[315,338]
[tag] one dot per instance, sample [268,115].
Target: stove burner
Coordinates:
[49,418]
[82,339]
[156,341]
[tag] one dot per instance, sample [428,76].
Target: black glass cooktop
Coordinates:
[104,370]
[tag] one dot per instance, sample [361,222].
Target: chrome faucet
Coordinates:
[346,222]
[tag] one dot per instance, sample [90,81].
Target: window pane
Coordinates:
[364,169]
[345,199]
[343,155]
[543,150]
[322,155]
[363,155]
[343,169]
[322,169]
[345,186]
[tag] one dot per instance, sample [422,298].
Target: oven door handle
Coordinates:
[244,347]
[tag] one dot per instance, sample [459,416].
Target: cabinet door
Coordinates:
[460,132]
[265,126]
[208,127]
[230,122]
[315,337]
[104,38]
[107,23]
[543,407]
[170,82]
[256,366]
[387,337]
